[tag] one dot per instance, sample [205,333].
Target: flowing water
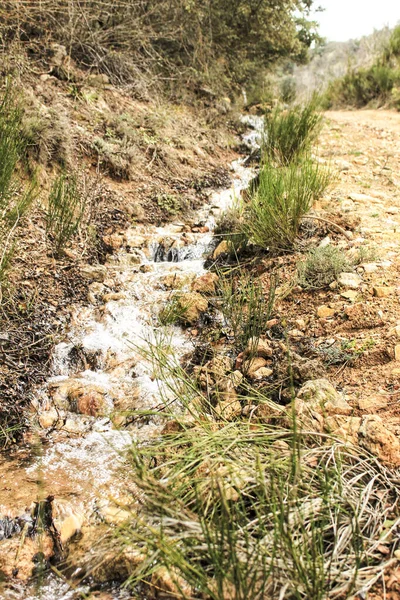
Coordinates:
[98,371]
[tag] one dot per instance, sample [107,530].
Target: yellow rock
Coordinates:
[382,291]
[324,312]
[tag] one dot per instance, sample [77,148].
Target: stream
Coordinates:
[99,375]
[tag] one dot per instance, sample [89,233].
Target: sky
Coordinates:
[343,20]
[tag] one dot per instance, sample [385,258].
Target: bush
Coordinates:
[290,133]
[65,211]
[321,267]
[283,198]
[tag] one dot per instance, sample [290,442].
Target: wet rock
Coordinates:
[113,297]
[324,312]
[67,519]
[94,272]
[78,396]
[380,441]
[383,291]
[193,306]
[20,560]
[349,280]
[174,281]
[49,418]
[133,239]
[205,284]
[222,248]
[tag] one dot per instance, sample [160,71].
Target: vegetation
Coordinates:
[322,266]
[283,198]
[134,42]
[379,83]
[290,133]
[65,211]
[244,306]
[15,198]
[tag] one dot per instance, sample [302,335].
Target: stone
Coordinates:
[205,284]
[68,520]
[193,306]
[229,409]
[170,584]
[222,248]
[114,241]
[383,291]
[349,280]
[372,403]
[174,281]
[345,428]
[379,440]
[350,295]
[94,272]
[397,352]
[113,297]
[324,312]
[304,368]
[347,205]
[343,165]
[258,347]
[369,267]
[48,418]
[250,367]
[272,323]
[325,242]
[392,210]
[262,373]
[296,333]
[316,400]
[395,331]
[133,239]
[361,197]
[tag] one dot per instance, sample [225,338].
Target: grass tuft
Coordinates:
[290,133]
[283,198]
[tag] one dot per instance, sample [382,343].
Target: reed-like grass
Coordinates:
[283,198]
[65,211]
[290,133]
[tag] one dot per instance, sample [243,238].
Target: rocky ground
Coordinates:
[348,334]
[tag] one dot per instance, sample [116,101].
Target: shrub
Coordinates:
[65,211]
[284,196]
[321,267]
[229,226]
[290,133]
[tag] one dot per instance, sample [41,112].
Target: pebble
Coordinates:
[383,291]
[349,280]
[324,312]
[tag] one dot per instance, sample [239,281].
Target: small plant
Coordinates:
[169,203]
[245,307]
[65,211]
[283,198]
[229,227]
[321,267]
[15,198]
[290,133]
[172,312]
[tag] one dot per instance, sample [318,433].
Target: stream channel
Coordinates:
[98,371]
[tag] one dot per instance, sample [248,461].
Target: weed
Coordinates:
[290,133]
[229,226]
[244,306]
[321,267]
[365,254]
[169,203]
[283,198]
[65,211]
[172,312]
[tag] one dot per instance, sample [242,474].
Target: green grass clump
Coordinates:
[15,197]
[290,133]
[322,266]
[244,306]
[65,211]
[282,200]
